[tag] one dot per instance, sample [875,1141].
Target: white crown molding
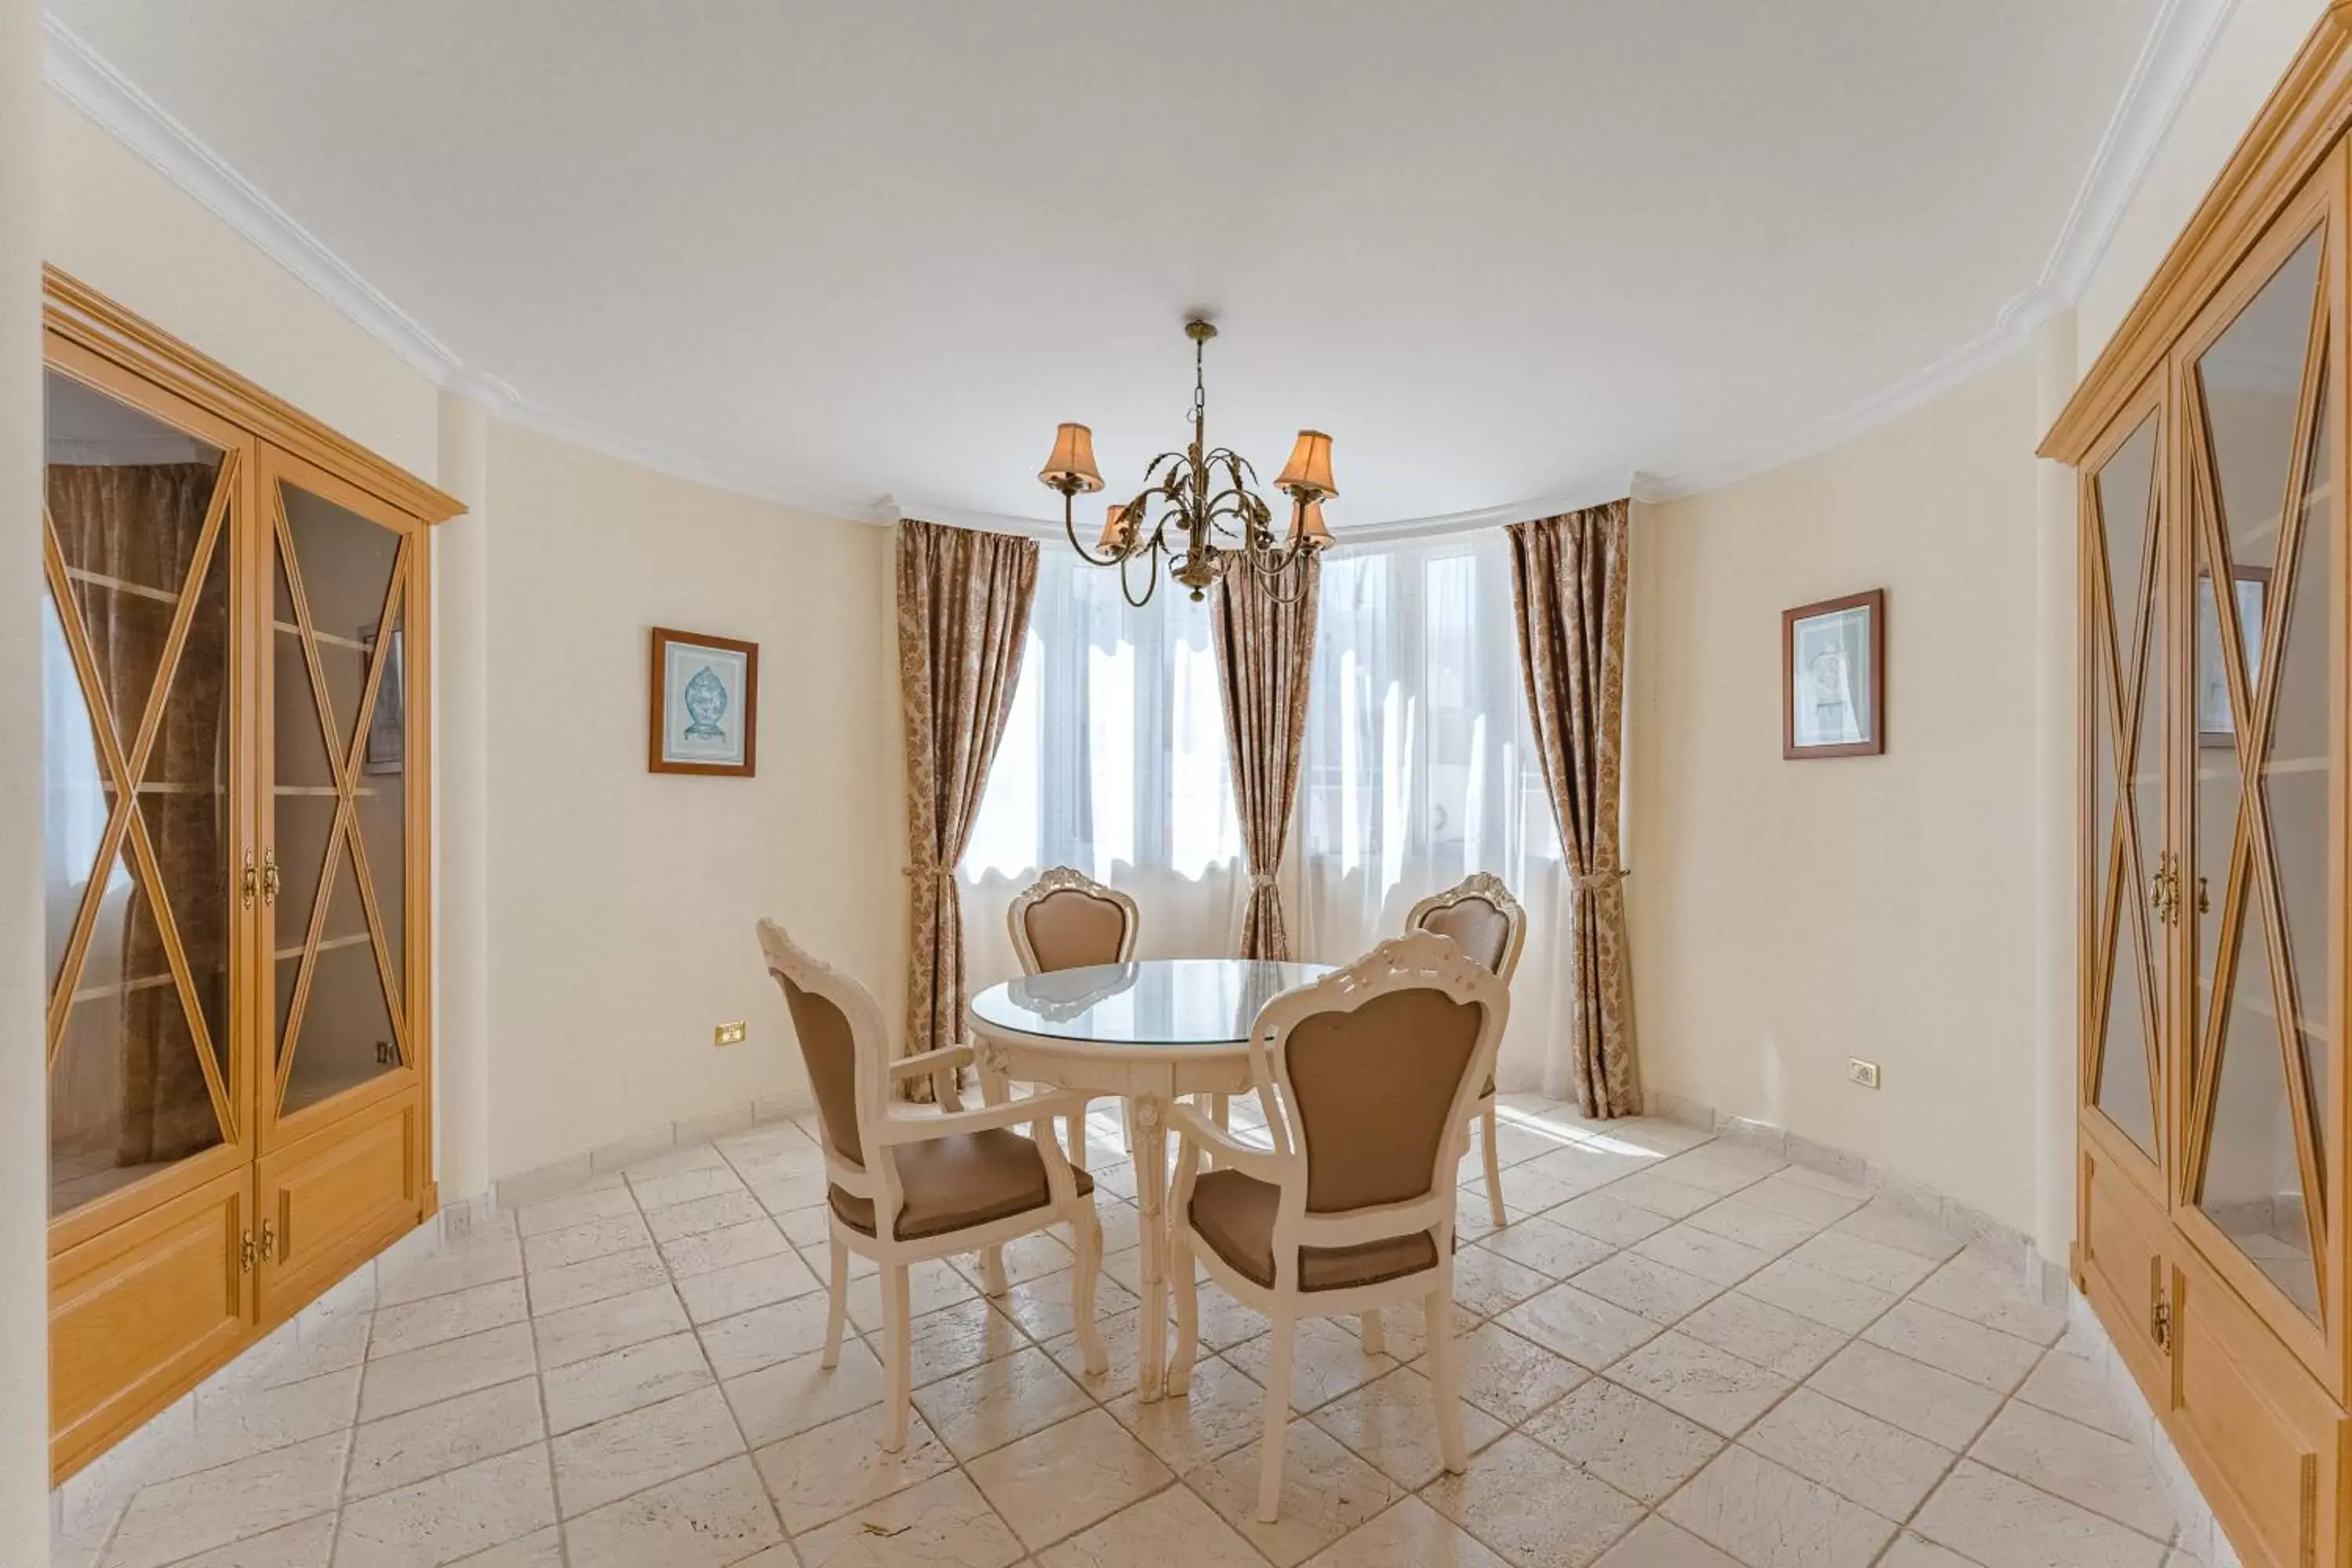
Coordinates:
[840,505]
[116,105]
[2168,66]
[2168,63]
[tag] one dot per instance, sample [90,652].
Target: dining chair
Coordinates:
[1483,919]
[906,1183]
[1366,1077]
[1067,919]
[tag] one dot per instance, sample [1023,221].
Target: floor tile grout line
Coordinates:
[1736,1440]
[1965,1451]
[1026,1338]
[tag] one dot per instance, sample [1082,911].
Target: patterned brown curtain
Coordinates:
[140,524]
[1266,655]
[963,616]
[1569,583]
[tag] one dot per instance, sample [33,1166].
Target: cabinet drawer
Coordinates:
[2263,1441]
[139,1314]
[2121,1256]
[335,1199]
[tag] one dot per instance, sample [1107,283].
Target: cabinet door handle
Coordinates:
[269,1240]
[270,879]
[249,881]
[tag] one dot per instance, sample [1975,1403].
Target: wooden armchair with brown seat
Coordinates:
[1366,1077]
[907,1183]
[1481,917]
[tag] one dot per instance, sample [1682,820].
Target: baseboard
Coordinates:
[2045,1280]
[561,1176]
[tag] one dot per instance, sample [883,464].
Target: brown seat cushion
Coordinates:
[952,1184]
[1233,1213]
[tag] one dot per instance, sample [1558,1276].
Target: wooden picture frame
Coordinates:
[713,728]
[1841,643]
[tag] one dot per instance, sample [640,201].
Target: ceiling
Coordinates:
[865,255]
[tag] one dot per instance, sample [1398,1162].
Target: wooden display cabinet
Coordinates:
[236,659]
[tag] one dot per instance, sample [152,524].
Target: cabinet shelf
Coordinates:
[325,639]
[326,944]
[90,579]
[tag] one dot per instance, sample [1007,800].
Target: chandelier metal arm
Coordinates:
[1151,579]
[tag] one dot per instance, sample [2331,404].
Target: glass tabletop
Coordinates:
[1153,1002]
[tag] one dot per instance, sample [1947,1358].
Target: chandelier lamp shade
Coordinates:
[1199,513]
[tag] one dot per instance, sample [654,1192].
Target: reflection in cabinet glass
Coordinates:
[2258,455]
[340,732]
[135,682]
[2129,532]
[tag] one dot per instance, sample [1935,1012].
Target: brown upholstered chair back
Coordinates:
[1067,919]
[841,1040]
[1480,916]
[1375,1089]
[1074,930]
[830,1053]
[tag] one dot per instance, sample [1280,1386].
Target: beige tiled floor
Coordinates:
[1680,1355]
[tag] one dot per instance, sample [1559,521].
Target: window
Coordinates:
[1420,768]
[1115,752]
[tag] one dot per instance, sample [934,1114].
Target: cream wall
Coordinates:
[1787,915]
[112,221]
[622,901]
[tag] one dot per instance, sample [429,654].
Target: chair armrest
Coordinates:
[900,1128]
[1203,1133]
[946,1057]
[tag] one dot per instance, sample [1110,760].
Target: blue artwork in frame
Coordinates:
[705,705]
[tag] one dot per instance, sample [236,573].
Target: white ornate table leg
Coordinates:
[1151,1134]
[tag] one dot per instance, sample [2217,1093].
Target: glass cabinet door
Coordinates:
[138,716]
[2267,715]
[2126,527]
[337,838]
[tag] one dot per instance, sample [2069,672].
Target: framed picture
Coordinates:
[387,741]
[705,705]
[2251,586]
[1833,677]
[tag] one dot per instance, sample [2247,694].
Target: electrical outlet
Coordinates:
[1862,1072]
[730,1033]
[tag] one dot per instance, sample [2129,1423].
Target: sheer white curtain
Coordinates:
[1420,767]
[1113,762]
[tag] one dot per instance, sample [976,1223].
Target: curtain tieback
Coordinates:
[929,866]
[1263,882]
[1595,881]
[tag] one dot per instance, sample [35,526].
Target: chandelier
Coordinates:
[1208,516]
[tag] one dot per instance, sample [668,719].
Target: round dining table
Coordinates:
[1146,1033]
